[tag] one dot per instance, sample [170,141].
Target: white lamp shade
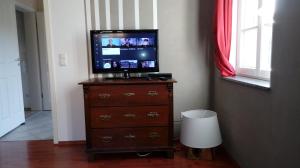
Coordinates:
[200,129]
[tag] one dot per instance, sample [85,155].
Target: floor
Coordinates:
[38,126]
[43,154]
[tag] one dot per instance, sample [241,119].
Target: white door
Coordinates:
[43,61]
[11,96]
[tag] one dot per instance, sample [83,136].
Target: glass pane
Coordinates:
[266,48]
[267,11]
[249,13]
[248,49]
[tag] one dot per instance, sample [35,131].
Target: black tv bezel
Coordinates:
[138,70]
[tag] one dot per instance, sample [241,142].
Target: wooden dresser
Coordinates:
[134,115]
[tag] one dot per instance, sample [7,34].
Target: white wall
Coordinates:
[181,50]
[33,62]
[181,53]
[45,79]
[67,20]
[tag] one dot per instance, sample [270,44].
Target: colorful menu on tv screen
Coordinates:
[126,50]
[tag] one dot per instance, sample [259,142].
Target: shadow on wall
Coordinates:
[205,24]
[76,118]
[206,40]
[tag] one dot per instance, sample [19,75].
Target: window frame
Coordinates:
[256,73]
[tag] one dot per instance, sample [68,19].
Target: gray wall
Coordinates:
[261,128]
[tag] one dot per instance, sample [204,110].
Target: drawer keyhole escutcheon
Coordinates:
[154,135]
[152,93]
[153,114]
[104,117]
[129,94]
[129,115]
[104,95]
[106,139]
[130,136]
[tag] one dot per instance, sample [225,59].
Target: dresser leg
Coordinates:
[170,154]
[91,157]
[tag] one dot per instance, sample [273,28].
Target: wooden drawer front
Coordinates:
[130,137]
[107,117]
[128,95]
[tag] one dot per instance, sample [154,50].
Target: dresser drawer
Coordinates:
[107,117]
[127,95]
[129,137]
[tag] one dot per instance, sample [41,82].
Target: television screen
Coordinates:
[124,51]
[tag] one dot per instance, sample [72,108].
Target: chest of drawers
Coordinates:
[133,115]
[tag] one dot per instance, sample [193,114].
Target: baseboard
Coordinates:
[83,142]
[64,143]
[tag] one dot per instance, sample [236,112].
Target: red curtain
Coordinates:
[223,25]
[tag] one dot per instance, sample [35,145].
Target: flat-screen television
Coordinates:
[116,51]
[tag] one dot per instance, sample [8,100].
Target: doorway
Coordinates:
[36,121]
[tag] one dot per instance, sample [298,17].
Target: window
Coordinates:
[252,37]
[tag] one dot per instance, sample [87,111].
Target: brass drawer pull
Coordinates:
[104,95]
[153,114]
[129,94]
[152,93]
[154,135]
[129,115]
[106,139]
[130,136]
[104,117]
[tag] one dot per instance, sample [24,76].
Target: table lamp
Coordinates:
[200,130]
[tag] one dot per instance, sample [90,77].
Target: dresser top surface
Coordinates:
[103,81]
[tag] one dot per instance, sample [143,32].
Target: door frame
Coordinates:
[50,59]
[52,75]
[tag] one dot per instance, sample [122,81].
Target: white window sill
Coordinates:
[257,83]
